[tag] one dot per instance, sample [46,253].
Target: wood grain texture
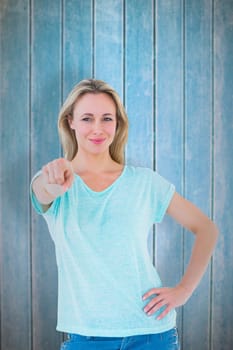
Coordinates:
[169,154]
[14,177]
[139,87]
[45,103]
[198,169]
[77,43]
[171,63]
[139,81]
[223,184]
[108,43]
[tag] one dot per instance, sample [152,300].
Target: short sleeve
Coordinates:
[162,192]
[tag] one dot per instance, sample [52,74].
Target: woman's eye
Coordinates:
[86,119]
[108,119]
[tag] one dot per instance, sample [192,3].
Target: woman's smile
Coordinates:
[97,141]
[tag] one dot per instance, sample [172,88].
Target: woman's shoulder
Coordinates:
[141,175]
[147,174]
[140,170]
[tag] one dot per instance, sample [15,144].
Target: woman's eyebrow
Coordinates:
[91,114]
[88,114]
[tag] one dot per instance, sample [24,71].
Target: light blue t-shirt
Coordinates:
[104,266]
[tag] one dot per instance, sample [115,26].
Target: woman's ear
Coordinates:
[70,121]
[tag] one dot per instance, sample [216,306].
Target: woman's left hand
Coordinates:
[168,297]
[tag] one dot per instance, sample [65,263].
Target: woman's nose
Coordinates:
[97,127]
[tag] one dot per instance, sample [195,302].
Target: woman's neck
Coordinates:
[94,163]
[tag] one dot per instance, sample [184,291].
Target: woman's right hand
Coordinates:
[57,176]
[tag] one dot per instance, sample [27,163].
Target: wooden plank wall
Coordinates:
[171,62]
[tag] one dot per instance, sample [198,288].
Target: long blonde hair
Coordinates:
[67,135]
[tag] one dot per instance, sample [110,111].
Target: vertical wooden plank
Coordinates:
[14,177]
[45,100]
[169,132]
[139,90]
[108,43]
[77,41]
[223,170]
[139,85]
[198,141]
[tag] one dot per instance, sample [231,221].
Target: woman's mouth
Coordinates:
[97,141]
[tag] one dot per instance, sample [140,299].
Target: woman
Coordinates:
[99,212]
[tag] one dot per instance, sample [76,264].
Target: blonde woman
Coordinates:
[99,212]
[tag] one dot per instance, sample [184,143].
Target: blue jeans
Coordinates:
[161,341]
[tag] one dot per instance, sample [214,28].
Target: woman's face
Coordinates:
[94,122]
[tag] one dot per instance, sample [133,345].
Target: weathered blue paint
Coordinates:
[169,131]
[108,43]
[139,81]
[77,43]
[197,139]
[45,101]
[223,169]
[139,88]
[171,62]
[14,177]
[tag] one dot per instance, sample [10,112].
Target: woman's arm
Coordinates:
[206,233]
[55,179]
